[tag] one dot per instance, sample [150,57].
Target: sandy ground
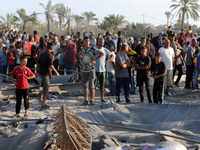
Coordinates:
[178,116]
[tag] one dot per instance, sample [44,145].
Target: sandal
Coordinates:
[92,102]
[45,106]
[25,115]
[16,116]
[103,101]
[85,103]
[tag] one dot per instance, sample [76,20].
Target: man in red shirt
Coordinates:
[36,37]
[22,74]
[70,54]
[181,39]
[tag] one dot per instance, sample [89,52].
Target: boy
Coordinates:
[3,58]
[142,64]
[196,62]
[45,62]
[110,66]
[11,58]
[22,74]
[158,72]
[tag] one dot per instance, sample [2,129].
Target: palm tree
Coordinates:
[68,16]
[115,21]
[168,15]
[185,9]
[61,11]
[9,19]
[78,19]
[25,18]
[89,16]
[49,10]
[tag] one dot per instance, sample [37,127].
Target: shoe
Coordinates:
[193,88]
[25,115]
[103,101]
[92,102]
[45,106]
[110,94]
[168,93]
[16,116]
[176,84]
[132,93]
[85,103]
[49,98]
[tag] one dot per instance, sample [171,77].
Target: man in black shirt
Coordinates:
[158,71]
[120,41]
[45,62]
[142,64]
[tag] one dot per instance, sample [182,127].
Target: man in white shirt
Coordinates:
[55,51]
[168,58]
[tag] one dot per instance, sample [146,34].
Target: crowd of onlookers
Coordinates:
[111,55]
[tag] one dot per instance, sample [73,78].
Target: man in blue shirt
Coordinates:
[3,58]
[109,41]
[100,68]
[157,41]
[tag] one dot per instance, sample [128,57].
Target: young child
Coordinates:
[22,74]
[11,57]
[45,62]
[142,64]
[19,52]
[110,66]
[3,58]
[196,62]
[158,72]
[61,60]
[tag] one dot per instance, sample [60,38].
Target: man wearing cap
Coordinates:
[109,41]
[157,41]
[92,39]
[70,54]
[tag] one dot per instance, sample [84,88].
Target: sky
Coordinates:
[137,11]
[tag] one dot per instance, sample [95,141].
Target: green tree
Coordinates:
[9,20]
[25,18]
[115,21]
[78,20]
[168,15]
[49,10]
[60,11]
[89,17]
[186,9]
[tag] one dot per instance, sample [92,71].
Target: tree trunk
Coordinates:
[167,22]
[183,18]
[48,25]
[68,28]
[23,28]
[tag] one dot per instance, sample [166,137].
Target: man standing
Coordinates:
[109,41]
[120,41]
[30,52]
[178,50]
[181,40]
[87,56]
[168,58]
[100,68]
[189,64]
[121,73]
[157,41]
[169,31]
[92,39]
[36,37]
[70,54]
[56,47]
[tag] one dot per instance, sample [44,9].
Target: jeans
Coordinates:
[131,78]
[197,72]
[189,75]
[19,93]
[69,67]
[4,69]
[158,91]
[125,82]
[180,72]
[111,80]
[147,84]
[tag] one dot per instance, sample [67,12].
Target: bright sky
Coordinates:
[133,10]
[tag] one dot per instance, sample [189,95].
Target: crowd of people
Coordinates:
[27,56]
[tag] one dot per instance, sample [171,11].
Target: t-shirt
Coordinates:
[100,65]
[45,62]
[21,75]
[109,65]
[12,61]
[55,49]
[93,42]
[71,50]
[142,62]
[158,69]
[86,58]
[190,52]
[167,55]
[177,51]
[197,64]
[3,59]
[109,43]
[119,71]
[17,57]
[157,42]
[1,48]
[61,61]
[120,40]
